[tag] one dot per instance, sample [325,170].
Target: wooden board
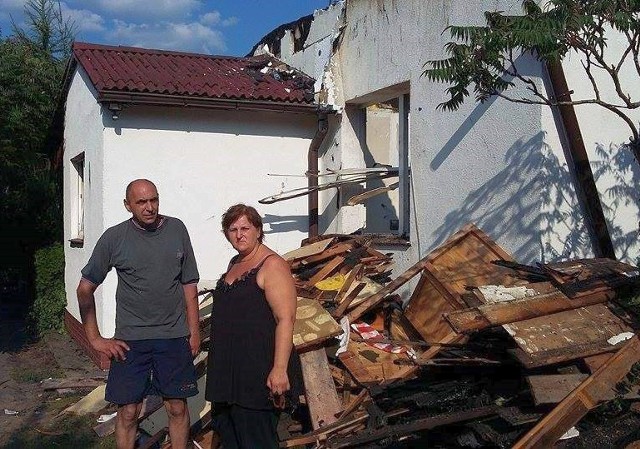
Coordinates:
[313,324]
[320,391]
[463,261]
[91,403]
[566,335]
[553,388]
[370,365]
[584,398]
[586,276]
[308,250]
[548,300]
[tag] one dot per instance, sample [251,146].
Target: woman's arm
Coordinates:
[280,291]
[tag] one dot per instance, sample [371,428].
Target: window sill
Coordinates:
[77,242]
[388,240]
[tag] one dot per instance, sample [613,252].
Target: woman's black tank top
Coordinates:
[243,344]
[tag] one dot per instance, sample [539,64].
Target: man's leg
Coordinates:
[127,425]
[127,385]
[179,425]
[174,377]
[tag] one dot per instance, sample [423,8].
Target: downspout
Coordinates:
[312,171]
[586,183]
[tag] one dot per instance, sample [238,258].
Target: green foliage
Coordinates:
[48,32]
[483,58]
[48,307]
[30,82]
[32,64]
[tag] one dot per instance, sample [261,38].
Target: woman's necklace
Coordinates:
[252,254]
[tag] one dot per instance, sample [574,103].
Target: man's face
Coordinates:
[143,203]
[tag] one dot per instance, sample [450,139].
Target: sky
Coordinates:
[221,27]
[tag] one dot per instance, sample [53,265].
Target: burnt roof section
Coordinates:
[300,29]
[134,70]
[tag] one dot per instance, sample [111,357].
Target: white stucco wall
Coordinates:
[616,171]
[202,162]
[83,133]
[498,164]
[481,164]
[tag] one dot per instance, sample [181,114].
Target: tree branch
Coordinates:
[634,45]
[587,69]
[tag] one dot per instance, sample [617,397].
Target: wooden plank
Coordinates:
[392,286]
[553,388]
[596,361]
[546,303]
[362,197]
[91,403]
[329,253]
[57,384]
[308,250]
[356,368]
[567,335]
[586,276]
[370,365]
[353,276]
[320,391]
[346,302]
[326,270]
[427,307]
[463,261]
[313,324]
[584,398]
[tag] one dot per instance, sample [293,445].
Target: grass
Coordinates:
[36,374]
[66,432]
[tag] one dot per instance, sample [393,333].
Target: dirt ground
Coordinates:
[30,416]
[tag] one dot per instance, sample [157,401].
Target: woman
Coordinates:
[250,361]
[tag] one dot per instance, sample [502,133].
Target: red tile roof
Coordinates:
[143,71]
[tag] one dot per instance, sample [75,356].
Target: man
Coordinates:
[157,333]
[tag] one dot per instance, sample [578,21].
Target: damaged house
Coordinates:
[478,244]
[517,171]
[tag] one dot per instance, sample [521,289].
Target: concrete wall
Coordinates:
[83,133]
[482,163]
[202,162]
[498,164]
[616,171]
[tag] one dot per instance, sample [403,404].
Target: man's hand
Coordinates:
[194,343]
[112,348]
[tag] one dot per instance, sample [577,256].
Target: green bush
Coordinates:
[47,312]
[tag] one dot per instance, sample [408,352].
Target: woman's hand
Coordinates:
[278,383]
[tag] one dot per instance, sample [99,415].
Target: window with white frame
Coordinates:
[386,144]
[77,198]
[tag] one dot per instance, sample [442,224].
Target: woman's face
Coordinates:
[243,235]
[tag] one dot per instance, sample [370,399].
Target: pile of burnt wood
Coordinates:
[486,352]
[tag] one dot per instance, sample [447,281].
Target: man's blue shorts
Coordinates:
[162,367]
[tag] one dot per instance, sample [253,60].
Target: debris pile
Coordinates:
[487,352]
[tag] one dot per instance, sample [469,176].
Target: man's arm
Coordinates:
[87,302]
[193,316]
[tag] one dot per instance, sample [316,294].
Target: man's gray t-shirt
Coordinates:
[152,267]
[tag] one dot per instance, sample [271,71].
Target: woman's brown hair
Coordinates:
[238,210]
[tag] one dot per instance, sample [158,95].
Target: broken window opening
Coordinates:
[386,143]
